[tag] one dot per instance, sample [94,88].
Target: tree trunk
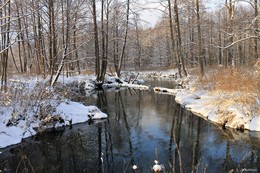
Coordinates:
[191,35]
[104,50]
[65,47]
[177,60]
[230,7]
[51,68]
[199,39]
[107,31]
[40,47]
[97,64]
[179,45]
[138,46]
[256,27]
[13,58]
[115,42]
[75,43]
[20,38]
[54,42]
[28,45]
[36,41]
[121,58]
[220,50]
[5,40]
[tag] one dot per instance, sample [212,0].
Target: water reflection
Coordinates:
[142,126]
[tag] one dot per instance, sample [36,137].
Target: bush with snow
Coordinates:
[31,105]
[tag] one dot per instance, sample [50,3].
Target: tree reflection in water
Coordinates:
[139,123]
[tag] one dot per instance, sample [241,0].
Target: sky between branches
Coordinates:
[151,11]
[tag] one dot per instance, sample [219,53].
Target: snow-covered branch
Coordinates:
[236,42]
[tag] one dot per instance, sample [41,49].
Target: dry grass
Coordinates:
[232,80]
[237,88]
[241,84]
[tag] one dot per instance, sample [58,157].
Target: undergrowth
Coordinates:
[234,86]
[233,80]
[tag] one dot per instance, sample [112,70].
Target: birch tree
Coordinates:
[5,17]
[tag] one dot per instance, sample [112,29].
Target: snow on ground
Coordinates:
[68,110]
[20,115]
[14,134]
[216,107]
[162,90]
[127,85]
[78,78]
[78,113]
[166,74]
[126,81]
[136,86]
[220,108]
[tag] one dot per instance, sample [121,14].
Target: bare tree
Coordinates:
[97,64]
[65,46]
[256,28]
[104,35]
[75,49]
[179,42]
[52,39]
[177,60]
[231,8]
[5,16]
[21,42]
[199,39]
[122,55]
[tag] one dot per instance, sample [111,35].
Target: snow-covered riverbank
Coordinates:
[69,111]
[32,106]
[221,109]
[238,110]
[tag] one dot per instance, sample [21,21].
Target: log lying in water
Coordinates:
[167,90]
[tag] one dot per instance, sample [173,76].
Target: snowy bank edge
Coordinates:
[207,111]
[68,110]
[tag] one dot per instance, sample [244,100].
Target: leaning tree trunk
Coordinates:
[121,58]
[65,48]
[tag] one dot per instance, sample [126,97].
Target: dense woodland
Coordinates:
[70,37]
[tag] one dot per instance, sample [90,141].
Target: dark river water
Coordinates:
[141,127]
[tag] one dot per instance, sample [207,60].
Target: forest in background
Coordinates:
[70,37]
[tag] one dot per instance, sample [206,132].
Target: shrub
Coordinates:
[235,79]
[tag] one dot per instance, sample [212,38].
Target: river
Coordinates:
[141,127]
